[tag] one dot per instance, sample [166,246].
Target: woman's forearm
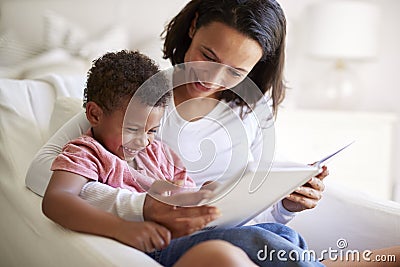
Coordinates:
[121,202]
[38,174]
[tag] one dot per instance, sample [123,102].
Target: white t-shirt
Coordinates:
[215,147]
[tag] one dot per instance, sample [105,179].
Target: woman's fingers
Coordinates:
[161,238]
[147,246]
[179,220]
[316,183]
[185,198]
[308,195]
[299,202]
[188,225]
[324,173]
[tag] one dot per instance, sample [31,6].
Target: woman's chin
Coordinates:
[198,90]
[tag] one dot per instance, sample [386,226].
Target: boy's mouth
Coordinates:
[129,152]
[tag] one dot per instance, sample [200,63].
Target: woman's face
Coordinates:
[219,43]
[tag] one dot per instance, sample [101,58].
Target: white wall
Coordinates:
[379,77]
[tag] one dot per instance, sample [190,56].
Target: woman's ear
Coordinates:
[192,29]
[94,113]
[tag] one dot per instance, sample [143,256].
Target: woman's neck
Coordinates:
[192,109]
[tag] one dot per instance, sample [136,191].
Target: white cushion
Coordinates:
[26,107]
[14,51]
[356,218]
[64,109]
[21,135]
[111,39]
[55,60]
[66,48]
[61,32]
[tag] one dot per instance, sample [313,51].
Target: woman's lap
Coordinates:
[267,244]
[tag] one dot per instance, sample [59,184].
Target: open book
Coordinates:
[256,191]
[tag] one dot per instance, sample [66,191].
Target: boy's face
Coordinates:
[126,138]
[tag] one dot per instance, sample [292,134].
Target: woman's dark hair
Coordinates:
[116,76]
[260,20]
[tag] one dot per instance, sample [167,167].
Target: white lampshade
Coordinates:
[343,29]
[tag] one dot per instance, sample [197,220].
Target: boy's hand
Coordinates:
[180,221]
[145,236]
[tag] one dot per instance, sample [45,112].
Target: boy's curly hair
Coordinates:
[115,77]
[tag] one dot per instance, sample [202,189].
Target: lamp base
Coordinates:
[338,88]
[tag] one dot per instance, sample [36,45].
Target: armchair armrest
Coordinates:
[362,220]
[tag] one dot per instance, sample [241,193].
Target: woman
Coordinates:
[248,36]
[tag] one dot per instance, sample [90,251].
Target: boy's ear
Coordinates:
[192,29]
[94,113]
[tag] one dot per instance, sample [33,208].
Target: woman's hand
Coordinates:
[307,195]
[145,236]
[177,194]
[180,221]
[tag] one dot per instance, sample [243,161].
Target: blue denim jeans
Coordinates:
[267,244]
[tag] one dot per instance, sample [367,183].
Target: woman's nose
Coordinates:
[213,76]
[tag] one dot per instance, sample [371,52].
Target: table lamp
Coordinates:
[342,31]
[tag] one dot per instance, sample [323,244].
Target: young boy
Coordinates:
[119,149]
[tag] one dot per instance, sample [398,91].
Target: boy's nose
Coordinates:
[140,142]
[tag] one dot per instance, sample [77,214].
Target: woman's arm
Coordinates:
[121,202]
[38,175]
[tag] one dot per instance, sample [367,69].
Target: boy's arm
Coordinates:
[62,204]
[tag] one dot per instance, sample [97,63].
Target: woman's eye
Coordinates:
[208,57]
[235,74]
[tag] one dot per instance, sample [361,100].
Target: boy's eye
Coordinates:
[131,129]
[153,131]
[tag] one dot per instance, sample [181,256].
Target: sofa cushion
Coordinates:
[26,107]
[21,132]
[64,109]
